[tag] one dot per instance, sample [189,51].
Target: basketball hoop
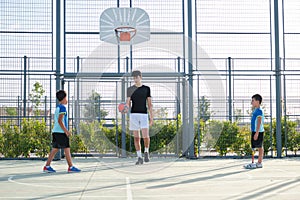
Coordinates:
[119,26]
[125,33]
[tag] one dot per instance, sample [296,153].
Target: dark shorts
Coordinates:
[259,142]
[60,140]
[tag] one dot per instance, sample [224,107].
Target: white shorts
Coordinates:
[138,121]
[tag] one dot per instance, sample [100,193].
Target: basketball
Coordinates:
[122,107]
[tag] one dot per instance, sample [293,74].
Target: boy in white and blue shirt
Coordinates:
[257,131]
[60,134]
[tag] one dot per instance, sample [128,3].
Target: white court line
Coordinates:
[128,189]
[10,179]
[160,196]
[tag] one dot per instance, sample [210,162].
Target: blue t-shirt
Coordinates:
[60,109]
[256,113]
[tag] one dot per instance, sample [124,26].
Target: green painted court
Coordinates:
[162,178]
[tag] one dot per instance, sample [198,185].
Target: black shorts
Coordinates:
[60,141]
[259,142]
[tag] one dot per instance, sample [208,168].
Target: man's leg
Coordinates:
[137,140]
[137,144]
[145,134]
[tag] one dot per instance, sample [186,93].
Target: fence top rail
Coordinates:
[148,58]
[120,75]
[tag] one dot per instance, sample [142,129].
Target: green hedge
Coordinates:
[290,137]
[227,137]
[33,136]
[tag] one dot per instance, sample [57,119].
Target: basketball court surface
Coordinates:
[162,178]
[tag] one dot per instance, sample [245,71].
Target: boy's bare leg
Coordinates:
[51,156]
[68,156]
[260,154]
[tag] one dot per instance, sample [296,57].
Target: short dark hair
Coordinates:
[60,95]
[257,97]
[136,73]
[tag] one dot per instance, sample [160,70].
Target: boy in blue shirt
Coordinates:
[60,134]
[257,129]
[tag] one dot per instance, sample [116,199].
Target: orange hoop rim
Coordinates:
[125,29]
[128,29]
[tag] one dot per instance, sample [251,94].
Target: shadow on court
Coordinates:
[113,178]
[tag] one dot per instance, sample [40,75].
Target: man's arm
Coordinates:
[128,104]
[149,101]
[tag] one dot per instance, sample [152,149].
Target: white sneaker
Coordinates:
[259,165]
[250,166]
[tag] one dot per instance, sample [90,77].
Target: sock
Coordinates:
[146,150]
[139,154]
[47,166]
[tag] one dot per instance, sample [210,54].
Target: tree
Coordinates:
[227,137]
[212,132]
[35,96]
[161,112]
[237,114]
[93,107]
[204,112]
[289,134]
[11,111]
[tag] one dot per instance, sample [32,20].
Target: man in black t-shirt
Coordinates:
[140,97]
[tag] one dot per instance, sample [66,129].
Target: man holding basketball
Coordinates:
[140,97]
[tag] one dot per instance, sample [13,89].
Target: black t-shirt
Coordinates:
[138,97]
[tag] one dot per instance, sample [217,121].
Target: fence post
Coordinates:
[278,81]
[45,112]
[127,64]
[229,91]
[24,89]
[18,111]
[123,139]
[271,118]
[190,133]
[184,120]
[285,116]
[77,104]
[178,106]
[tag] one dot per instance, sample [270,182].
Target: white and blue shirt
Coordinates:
[257,113]
[60,109]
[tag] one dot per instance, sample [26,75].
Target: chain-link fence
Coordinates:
[233,58]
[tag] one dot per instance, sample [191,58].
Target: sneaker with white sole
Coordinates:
[73,170]
[250,166]
[146,157]
[139,161]
[48,169]
[259,165]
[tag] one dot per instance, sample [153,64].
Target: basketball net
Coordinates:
[125,33]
